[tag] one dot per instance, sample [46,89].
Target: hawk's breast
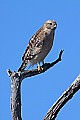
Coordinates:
[47,45]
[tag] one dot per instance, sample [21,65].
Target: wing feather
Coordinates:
[35,45]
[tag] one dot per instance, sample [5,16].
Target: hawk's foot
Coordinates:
[40,68]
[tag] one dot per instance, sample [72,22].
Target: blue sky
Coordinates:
[19,20]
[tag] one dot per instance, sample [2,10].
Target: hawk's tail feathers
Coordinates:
[23,66]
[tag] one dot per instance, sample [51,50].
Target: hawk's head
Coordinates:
[50,24]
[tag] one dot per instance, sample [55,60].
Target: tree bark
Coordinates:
[16,79]
[65,97]
[15,95]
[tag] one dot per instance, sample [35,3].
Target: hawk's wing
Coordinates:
[35,45]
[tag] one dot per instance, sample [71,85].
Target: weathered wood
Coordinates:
[15,102]
[16,79]
[65,97]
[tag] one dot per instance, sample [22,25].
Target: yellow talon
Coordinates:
[39,67]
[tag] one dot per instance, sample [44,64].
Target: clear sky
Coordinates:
[19,20]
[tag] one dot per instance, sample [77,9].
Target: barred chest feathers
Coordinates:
[47,45]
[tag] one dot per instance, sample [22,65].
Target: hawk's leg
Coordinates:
[42,62]
[39,67]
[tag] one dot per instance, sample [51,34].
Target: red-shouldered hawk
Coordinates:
[39,45]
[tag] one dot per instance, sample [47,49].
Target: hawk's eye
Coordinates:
[50,23]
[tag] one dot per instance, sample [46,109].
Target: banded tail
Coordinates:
[23,66]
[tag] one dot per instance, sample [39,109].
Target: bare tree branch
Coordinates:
[65,97]
[15,95]
[16,79]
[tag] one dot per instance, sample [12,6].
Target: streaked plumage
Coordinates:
[39,45]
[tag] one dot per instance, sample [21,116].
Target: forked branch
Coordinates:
[16,79]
